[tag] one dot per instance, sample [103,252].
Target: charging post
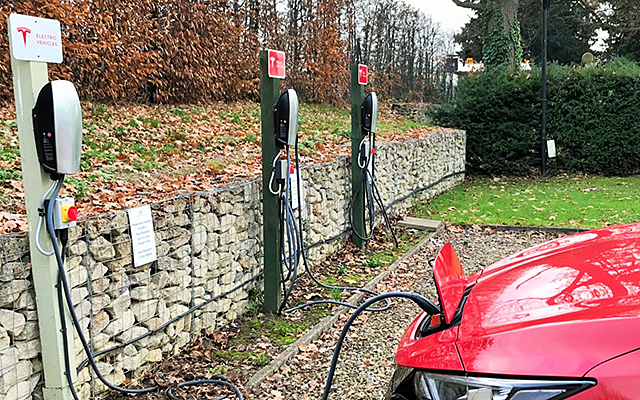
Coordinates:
[272,69]
[29,59]
[359,78]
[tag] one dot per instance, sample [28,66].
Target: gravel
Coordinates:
[367,358]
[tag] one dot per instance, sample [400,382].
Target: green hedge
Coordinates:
[593,115]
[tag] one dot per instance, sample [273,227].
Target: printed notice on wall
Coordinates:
[143,238]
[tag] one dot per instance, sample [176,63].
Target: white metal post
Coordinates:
[28,78]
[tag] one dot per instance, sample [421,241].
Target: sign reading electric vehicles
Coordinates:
[143,238]
[276,64]
[35,39]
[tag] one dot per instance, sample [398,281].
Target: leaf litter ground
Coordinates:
[136,154]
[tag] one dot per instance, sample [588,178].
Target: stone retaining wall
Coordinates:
[418,112]
[207,244]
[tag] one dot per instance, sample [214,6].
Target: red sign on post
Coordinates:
[363,76]
[276,64]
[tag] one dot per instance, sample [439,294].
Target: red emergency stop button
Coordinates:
[69,213]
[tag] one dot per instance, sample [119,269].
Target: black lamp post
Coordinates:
[545,25]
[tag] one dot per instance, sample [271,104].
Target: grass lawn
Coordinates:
[569,201]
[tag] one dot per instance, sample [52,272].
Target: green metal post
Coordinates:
[269,91]
[357,98]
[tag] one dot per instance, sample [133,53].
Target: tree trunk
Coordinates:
[501,43]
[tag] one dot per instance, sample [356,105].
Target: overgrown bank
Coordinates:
[136,154]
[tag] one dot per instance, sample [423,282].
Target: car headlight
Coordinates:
[432,386]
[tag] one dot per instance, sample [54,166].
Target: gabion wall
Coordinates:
[209,248]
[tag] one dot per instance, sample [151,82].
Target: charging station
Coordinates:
[365,194]
[283,243]
[32,91]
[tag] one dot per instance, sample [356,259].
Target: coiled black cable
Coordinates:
[290,252]
[371,192]
[369,201]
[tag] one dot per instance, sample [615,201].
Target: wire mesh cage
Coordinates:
[209,258]
[20,362]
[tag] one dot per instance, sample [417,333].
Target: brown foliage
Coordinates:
[186,51]
[106,43]
[171,50]
[207,53]
[320,72]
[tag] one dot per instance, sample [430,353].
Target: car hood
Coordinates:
[558,309]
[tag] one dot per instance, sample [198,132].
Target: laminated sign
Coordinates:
[276,64]
[143,238]
[35,39]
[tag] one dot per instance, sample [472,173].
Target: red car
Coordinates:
[558,321]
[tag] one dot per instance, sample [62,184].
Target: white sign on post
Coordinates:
[551,148]
[143,238]
[35,39]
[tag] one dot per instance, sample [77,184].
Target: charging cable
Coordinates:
[273,174]
[366,161]
[425,304]
[64,296]
[41,218]
[293,248]
[303,250]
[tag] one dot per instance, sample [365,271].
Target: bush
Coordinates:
[592,115]
[496,108]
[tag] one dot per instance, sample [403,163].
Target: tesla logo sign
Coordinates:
[24,32]
[35,39]
[363,75]
[276,64]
